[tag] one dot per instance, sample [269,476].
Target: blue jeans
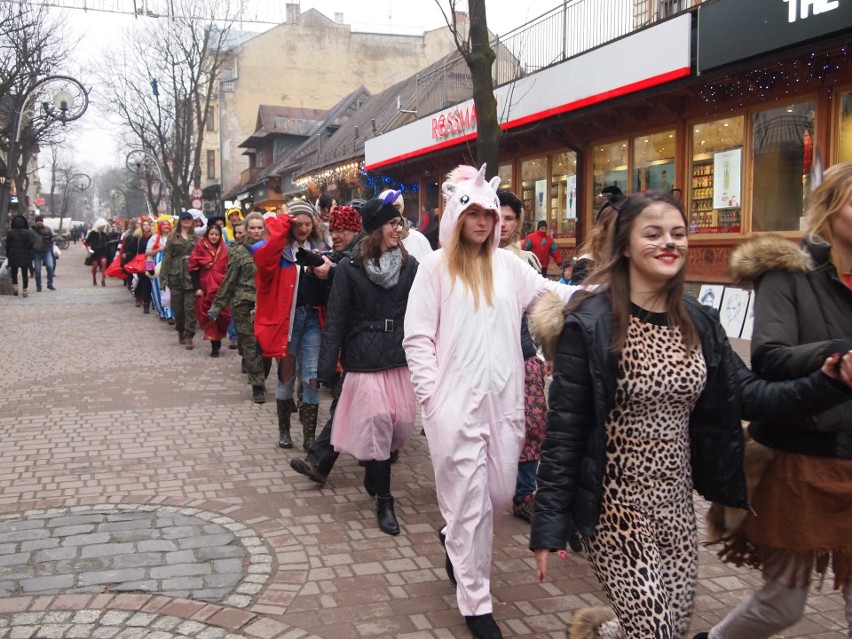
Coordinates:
[304,344]
[526,480]
[47,258]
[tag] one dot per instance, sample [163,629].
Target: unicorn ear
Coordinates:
[495,181]
[448,188]
[482,171]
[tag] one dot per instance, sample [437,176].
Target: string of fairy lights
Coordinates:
[350,173]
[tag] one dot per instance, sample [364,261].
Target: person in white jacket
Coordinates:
[461,342]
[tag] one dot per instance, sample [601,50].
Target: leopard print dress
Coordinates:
[645,548]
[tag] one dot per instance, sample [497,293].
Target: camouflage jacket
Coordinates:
[174,271]
[238,287]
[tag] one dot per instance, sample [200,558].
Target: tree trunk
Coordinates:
[480,61]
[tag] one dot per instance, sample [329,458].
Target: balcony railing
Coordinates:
[572,28]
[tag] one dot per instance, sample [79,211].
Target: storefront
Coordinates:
[736,134]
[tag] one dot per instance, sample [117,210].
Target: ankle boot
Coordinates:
[187,342]
[286,407]
[181,338]
[308,416]
[215,345]
[483,626]
[385,515]
[146,308]
[258,394]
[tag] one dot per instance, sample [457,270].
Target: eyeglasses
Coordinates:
[396,224]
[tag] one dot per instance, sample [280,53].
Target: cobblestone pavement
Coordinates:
[142,495]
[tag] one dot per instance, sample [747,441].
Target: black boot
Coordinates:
[306,468]
[483,627]
[385,515]
[146,308]
[308,416]
[286,407]
[380,473]
[258,394]
[215,345]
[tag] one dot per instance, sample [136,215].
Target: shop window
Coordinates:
[610,169]
[505,173]
[534,192]
[654,161]
[782,153]
[563,194]
[844,150]
[715,192]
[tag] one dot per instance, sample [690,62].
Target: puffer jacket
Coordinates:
[20,243]
[174,270]
[364,322]
[573,457]
[801,308]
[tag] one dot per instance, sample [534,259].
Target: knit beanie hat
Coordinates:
[379,211]
[344,218]
[301,207]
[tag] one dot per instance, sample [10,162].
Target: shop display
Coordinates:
[703,217]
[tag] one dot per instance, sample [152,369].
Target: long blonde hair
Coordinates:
[471,265]
[825,202]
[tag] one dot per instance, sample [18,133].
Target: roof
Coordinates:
[285,121]
[382,113]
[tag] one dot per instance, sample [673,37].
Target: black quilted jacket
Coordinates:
[364,322]
[573,456]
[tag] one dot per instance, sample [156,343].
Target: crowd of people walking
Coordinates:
[646,401]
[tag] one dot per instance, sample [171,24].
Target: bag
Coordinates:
[149,265]
[166,298]
[136,265]
[88,260]
[56,252]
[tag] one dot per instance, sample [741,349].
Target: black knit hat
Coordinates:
[377,212]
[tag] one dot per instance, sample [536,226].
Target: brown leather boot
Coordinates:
[187,341]
[308,416]
[286,407]
[181,338]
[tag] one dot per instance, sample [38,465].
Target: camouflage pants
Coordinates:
[244,323]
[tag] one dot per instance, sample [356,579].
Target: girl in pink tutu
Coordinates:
[366,309]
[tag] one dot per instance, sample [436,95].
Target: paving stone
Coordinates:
[54,554]
[47,584]
[180,570]
[111,576]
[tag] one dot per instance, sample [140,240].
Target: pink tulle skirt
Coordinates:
[375,414]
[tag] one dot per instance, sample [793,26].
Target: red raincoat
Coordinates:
[276,280]
[210,261]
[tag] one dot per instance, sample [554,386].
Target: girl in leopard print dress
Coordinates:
[645,404]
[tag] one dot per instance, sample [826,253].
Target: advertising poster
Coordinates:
[727,172]
[571,200]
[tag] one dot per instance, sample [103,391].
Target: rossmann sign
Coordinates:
[733,30]
[645,59]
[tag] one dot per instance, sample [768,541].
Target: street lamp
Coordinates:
[62,98]
[139,162]
[81,182]
[115,193]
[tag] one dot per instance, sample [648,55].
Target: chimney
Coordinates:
[338,18]
[294,13]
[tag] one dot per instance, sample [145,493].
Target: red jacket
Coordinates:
[276,280]
[543,246]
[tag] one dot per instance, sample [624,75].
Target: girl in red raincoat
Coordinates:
[207,265]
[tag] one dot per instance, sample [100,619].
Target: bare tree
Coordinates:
[32,45]
[472,39]
[162,86]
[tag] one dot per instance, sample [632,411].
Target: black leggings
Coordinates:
[25,276]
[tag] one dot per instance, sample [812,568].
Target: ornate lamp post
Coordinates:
[140,163]
[115,193]
[61,98]
[81,182]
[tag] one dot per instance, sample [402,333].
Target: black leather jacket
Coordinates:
[573,457]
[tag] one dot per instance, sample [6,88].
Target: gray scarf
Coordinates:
[386,274]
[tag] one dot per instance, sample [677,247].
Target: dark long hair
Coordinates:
[612,277]
[370,247]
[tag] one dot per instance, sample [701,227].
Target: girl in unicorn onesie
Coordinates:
[461,341]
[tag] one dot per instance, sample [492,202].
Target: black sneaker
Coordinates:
[483,627]
[308,470]
[51,287]
[38,289]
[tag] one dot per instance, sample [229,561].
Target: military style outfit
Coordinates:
[239,289]
[174,273]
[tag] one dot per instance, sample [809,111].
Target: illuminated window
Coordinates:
[714,183]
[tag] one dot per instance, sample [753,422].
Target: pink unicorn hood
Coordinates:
[464,187]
